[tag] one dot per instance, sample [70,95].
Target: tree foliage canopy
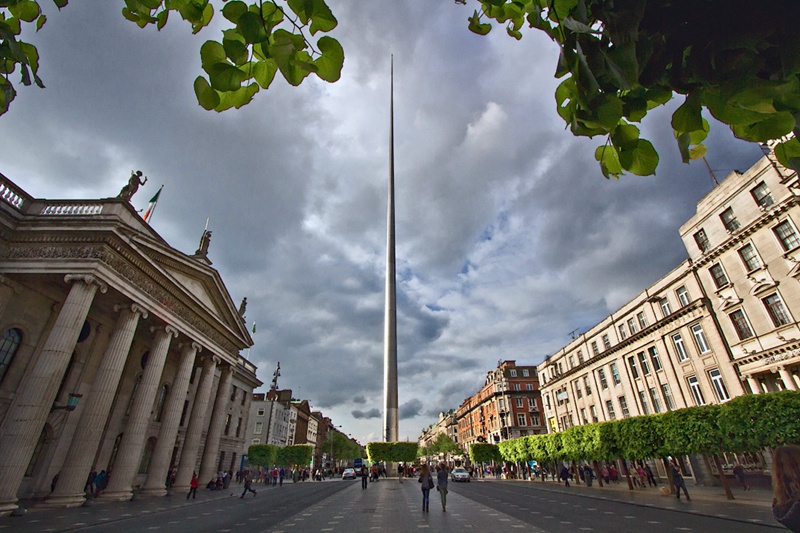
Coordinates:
[621,59]
[263,37]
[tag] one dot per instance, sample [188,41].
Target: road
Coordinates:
[390,507]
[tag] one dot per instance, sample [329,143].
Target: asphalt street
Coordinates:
[335,506]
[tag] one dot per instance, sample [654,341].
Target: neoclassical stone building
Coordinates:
[722,324]
[118,353]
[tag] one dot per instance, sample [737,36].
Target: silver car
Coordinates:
[459,474]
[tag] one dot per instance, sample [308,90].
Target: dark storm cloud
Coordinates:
[410,409]
[372,413]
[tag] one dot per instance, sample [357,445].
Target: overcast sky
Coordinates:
[508,236]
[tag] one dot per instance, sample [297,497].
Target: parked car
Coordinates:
[459,474]
[349,473]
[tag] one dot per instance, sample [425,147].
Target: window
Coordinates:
[261,411]
[665,308]
[702,240]
[571,361]
[668,397]
[741,325]
[718,385]
[259,428]
[601,374]
[136,383]
[535,420]
[762,195]
[529,386]
[631,326]
[787,235]
[680,349]
[777,311]
[583,416]
[501,403]
[578,391]
[518,402]
[655,358]
[694,387]
[632,363]
[749,257]
[256,441]
[522,419]
[729,220]
[516,386]
[642,320]
[615,374]
[700,338]
[593,411]
[580,357]
[610,409]
[513,373]
[233,393]
[606,341]
[183,413]
[595,349]
[586,384]
[643,399]
[162,399]
[622,332]
[645,363]
[8,349]
[525,373]
[656,400]
[623,405]
[683,296]
[227,424]
[718,275]
[560,368]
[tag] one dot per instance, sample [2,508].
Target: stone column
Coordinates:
[130,449]
[155,484]
[32,405]
[753,382]
[194,432]
[208,466]
[78,462]
[786,377]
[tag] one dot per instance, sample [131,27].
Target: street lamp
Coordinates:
[72,403]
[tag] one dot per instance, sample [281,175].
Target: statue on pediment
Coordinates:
[132,186]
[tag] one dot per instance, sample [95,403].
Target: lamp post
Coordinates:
[72,403]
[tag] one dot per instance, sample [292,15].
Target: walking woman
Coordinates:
[786,484]
[427,484]
[441,484]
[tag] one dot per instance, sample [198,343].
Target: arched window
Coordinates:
[114,451]
[8,349]
[37,451]
[162,399]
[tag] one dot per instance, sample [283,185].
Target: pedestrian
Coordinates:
[588,475]
[786,484]
[364,477]
[400,471]
[98,482]
[248,486]
[564,475]
[614,474]
[426,480]
[89,487]
[441,484]
[651,479]
[677,480]
[642,475]
[738,471]
[192,486]
[606,474]
[281,475]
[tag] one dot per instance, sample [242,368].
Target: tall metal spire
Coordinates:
[391,430]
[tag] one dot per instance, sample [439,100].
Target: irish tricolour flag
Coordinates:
[152,207]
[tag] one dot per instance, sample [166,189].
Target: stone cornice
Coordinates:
[128,266]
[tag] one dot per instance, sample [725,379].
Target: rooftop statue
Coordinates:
[132,186]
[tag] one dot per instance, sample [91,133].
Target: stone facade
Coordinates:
[96,307]
[719,325]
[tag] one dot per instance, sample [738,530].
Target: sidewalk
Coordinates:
[751,506]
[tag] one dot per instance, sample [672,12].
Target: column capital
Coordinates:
[88,279]
[194,345]
[134,308]
[169,330]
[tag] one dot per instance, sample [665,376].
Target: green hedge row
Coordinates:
[267,454]
[744,424]
[393,452]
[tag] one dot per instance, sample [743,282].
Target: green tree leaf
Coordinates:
[206,96]
[641,159]
[331,61]
[25,10]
